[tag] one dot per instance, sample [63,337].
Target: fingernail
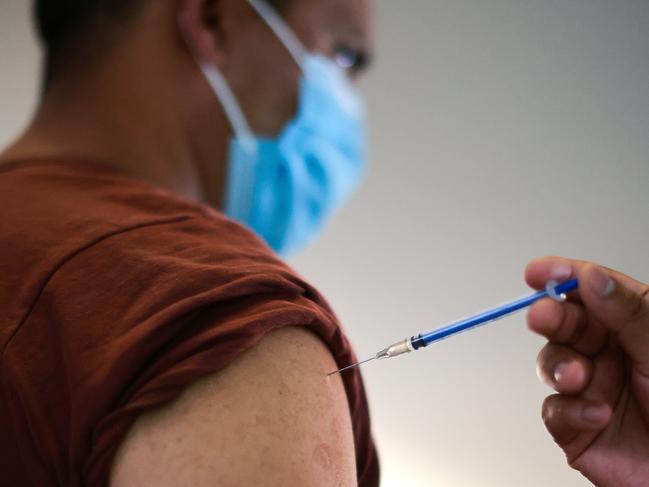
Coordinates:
[594,414]
[601,283]
[561,272]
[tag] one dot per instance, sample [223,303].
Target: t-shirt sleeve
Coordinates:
[134,318]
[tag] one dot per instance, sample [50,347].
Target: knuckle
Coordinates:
[544,354]
[540,367]
[552,353]
[636,305]
[545,362]
[573,318]
[540,358]
[645,294]
[556,319]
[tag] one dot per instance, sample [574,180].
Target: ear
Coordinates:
[199,22]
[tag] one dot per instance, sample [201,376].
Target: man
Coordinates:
[149,341]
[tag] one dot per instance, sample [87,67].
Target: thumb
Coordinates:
[621,308]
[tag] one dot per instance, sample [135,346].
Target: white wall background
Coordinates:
[502,130]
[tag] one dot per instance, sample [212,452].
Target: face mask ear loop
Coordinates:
[230,106]
[283,32]
[235,116]
[232,109]
[224,94]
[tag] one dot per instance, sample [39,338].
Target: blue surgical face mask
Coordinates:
[286,188]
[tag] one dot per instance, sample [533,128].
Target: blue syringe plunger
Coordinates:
[552,290]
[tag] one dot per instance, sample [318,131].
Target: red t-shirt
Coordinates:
[114,296]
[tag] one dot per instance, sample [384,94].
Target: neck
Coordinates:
[111,117]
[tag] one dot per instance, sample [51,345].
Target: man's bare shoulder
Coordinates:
[273,417]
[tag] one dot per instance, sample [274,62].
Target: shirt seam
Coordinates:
[71,256]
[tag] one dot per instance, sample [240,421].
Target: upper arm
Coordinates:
[271,418]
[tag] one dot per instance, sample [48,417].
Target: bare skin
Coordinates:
[597,360]
[272,418]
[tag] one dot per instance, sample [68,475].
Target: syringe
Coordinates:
[552,290]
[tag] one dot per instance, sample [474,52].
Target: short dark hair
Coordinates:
[64,26]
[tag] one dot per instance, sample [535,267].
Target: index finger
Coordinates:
[539,271]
